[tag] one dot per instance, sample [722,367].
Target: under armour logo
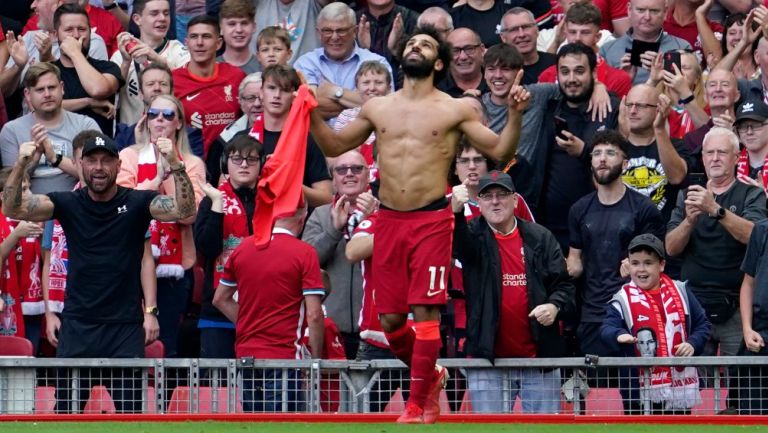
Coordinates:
[122,209]
[99,141]
[748,107]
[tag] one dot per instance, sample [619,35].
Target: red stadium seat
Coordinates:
[707,406]
[15,346]
[155,349]
[397,405]
[100,401]
[180,400]
[604,401]
[45,399]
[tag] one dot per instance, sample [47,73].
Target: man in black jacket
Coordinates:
[517,289]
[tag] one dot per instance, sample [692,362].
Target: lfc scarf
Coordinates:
[29,273]
[676,387]
[165,237]
[742,170]
[279,192]
[235,227]
[11,318]
[257,130]
[57,270]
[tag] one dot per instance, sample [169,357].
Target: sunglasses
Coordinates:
[168,113]
[343,169]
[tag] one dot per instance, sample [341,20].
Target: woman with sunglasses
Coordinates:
[172,243]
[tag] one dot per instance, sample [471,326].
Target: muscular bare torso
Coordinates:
[416,142]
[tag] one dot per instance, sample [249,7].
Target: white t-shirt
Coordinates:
[130,102]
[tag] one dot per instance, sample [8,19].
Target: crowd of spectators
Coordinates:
[639,173]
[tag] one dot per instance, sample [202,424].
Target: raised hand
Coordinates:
[518,98]
[364,32]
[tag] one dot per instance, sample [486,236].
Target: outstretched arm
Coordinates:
[335,143]
[23,205]
[182,206]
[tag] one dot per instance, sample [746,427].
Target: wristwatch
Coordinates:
[57,161]
[338,93]
[110,7]
[719,214]
[152,310]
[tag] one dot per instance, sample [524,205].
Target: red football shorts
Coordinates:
[411,259]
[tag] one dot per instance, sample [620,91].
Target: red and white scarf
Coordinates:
[57,270]
[165,237]
[257,130]
[742,170]
[11,318]
[235,227]
[676,387]
[29,273]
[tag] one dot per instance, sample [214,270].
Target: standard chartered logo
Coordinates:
[196,120]
[514,279]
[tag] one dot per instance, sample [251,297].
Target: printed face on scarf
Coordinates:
[646,343]
[645,269]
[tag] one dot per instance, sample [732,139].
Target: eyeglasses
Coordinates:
[168,113]
[639,106]
[341,170]
[468,50]
[250,161]
[607,152]
[743,128]
[249,99]
[499,195]
[344,31]
[477,160]
[516,29]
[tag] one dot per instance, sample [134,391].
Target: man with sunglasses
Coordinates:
[331,69]
[500,320]
[329,228]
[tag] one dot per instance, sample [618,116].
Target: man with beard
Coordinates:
[48,124]
[602,224]
[417,131]
[105,224]
[553,171]
[90,85]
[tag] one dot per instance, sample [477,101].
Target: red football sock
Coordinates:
[425,352]
[401,343]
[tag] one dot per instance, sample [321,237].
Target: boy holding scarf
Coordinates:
[653,301]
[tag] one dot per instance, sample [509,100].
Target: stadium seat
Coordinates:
[707,406]
[466,403]
[397,405]
[45,399]
[15,346]
[155,349]
[604,401]
[180,400]
[100,401]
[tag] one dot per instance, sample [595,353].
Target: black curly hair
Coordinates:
[443,49]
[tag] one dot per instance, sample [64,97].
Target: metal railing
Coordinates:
[592,386]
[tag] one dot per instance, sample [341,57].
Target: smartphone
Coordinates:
[560,126]
[672,58]
[640,47]
[697,179]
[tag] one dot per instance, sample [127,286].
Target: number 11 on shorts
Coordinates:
[432,275]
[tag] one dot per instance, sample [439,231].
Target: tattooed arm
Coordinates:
[182,206]
[22,204]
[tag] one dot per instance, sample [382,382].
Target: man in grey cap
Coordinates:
[105,226]
[500,323]
[750,123]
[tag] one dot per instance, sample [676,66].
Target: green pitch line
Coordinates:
[261,427]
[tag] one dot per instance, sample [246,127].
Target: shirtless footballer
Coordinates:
[417,130]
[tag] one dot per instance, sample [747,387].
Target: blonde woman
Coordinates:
[172,243]
[685,88]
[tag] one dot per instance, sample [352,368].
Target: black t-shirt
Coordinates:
[106,243]
[602,233]
[712,257]
[531,72]
[449,86]
[484,22]
[646,175]
[756,265]
[315,169]
[73,89]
